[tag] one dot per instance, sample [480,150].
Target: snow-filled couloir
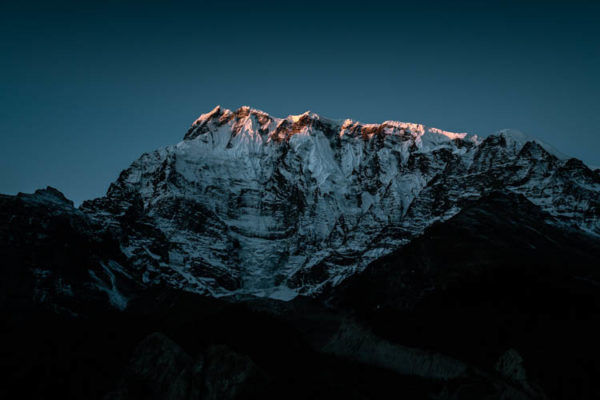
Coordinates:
[252,204]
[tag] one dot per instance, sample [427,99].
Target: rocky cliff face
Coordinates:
[252,204]
[53,254]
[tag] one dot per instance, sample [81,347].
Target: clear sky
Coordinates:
[86,87]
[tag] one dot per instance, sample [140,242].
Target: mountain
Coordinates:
[309,258]
[250,204]
[52,254]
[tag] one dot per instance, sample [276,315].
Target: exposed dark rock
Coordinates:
[53,255]
[160,369]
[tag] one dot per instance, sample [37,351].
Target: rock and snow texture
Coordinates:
[252,204]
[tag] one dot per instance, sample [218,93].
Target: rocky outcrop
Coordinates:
[354,342]
[161,369]
[510,365]
[227,374]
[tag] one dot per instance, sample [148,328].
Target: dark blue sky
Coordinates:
[86,88]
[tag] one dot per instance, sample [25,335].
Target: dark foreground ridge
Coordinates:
[493,303]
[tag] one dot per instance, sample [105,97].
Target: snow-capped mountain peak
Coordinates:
[518,139]
[302,123]
[253,204]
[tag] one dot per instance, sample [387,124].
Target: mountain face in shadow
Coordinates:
[493,278]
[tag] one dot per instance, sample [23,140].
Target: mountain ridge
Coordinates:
[260,257]
[248,203]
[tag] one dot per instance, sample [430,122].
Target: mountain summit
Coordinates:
[251,204]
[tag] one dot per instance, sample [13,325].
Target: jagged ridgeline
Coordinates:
[252,204]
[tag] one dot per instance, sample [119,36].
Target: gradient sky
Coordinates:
[86,87]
